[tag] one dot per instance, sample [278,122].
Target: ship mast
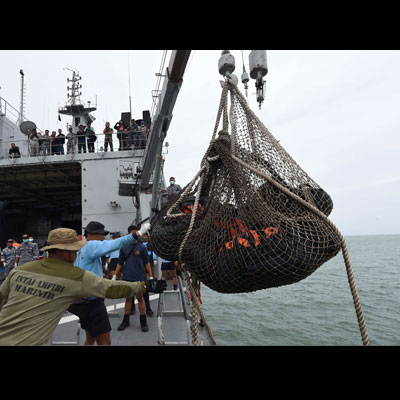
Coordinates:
[75,94]
[74,107]
[22,103]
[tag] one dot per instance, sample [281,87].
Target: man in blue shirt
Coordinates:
[134,259]
[91,311]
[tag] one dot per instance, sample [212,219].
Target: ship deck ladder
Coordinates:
[173,317]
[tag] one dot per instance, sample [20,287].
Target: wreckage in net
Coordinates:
[239,225]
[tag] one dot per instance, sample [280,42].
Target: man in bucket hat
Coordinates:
[35,295]
[92,311]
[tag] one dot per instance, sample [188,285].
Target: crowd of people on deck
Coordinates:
[130,137]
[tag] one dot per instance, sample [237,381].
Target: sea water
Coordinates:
[319,310]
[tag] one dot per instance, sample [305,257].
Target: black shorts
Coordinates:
[168,266]
[93,316]
[113,264]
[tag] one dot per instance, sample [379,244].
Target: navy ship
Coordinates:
[40,191]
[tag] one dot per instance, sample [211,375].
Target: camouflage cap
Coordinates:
[63,239]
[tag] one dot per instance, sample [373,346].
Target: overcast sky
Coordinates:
[336,112]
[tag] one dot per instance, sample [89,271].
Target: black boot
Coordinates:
[125,323]
[143,323]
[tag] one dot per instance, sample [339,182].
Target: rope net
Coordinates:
[238,225]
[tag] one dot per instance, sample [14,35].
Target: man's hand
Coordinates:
[144,228]
[156,286]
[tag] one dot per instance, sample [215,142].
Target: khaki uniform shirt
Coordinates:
[35,296]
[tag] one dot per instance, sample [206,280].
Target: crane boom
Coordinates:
[163,115]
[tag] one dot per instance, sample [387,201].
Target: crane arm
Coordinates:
[163,115]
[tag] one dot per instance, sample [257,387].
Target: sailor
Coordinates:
[108,140]
[152,255]
[90,136]
[60,140]
[2,273]
[142,136]
[134,259]
[46,143]
[53,143]
[173,187]
[152,258]
[8,256]
[30,238]
[120,128]
[170,266]
[35,296]
[71,137]
[26,252]
[14,152]
[112,258]
[34,143]
[91,310]
[131,137]
[81,139]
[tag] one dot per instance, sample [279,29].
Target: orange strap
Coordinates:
[271,230]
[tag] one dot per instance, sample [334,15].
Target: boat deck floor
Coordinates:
[174,327]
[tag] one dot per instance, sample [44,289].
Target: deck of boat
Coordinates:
[174,326]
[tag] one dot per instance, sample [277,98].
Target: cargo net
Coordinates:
[242,224]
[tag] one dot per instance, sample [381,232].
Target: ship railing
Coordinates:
[11,113]
[6,109]
[71,149]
